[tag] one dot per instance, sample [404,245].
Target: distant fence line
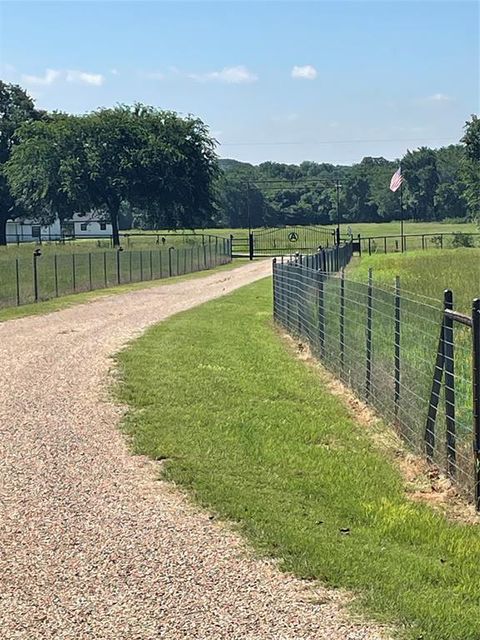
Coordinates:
[416,241]
[25,280]
[126,238]
[417,362]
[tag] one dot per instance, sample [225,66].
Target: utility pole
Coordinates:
[337,187]
[248,208]
[401,211]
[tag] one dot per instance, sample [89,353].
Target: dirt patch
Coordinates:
[423,481]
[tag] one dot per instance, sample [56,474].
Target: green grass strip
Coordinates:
[254,435]
[64,302]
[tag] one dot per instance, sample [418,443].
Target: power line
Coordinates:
[320,142]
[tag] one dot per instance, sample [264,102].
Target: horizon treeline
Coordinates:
[437,186]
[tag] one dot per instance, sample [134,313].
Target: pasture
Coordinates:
[426,273]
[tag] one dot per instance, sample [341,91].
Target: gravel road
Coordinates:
[92,545]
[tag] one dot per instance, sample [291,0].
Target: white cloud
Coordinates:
[439,97]
[307,72]
[114,72]
[228,75]
[95,79]
[53,75]
[49,77]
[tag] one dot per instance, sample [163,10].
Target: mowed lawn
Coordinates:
[254,435]
[426,273]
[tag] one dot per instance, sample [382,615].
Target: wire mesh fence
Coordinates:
[418,241]
[415,361]
[24,280]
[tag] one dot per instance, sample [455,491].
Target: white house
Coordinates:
[31,231]
[80,226]
[90,224]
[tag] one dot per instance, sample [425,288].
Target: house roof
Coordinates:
[92,216]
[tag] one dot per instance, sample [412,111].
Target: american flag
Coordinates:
[396,180]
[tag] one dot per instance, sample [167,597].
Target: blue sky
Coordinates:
[283,81]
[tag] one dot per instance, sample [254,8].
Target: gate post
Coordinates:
[250,245]
[476,396]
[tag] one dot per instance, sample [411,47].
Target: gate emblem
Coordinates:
[293,237]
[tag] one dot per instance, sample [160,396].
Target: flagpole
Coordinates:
[401,207]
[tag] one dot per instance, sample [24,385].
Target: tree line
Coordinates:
[438,184]
[149,168]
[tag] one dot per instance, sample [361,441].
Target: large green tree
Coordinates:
[16,108]
[155,160]
[471,140]
[421,176]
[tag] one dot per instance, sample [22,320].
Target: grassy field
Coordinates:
[261,442]
[138,238]
[426,273]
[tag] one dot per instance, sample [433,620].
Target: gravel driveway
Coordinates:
[92,545]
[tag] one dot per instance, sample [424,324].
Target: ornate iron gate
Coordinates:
[292,239]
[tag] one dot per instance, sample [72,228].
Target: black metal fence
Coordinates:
[49,275]
[417,241]
[416,361]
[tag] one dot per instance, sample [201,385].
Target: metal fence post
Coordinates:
[449,383]
[151,265]
[55,274]
[397,334]
[90,270]
[250,246]
[17,281]
[74,274]
[368,371]
[274,283]
[170,249]
[342,318]
[476,396]
[298,293]
[35,276]
[118,266]
[321,312]
[105,268]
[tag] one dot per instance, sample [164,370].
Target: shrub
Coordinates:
[462,240]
